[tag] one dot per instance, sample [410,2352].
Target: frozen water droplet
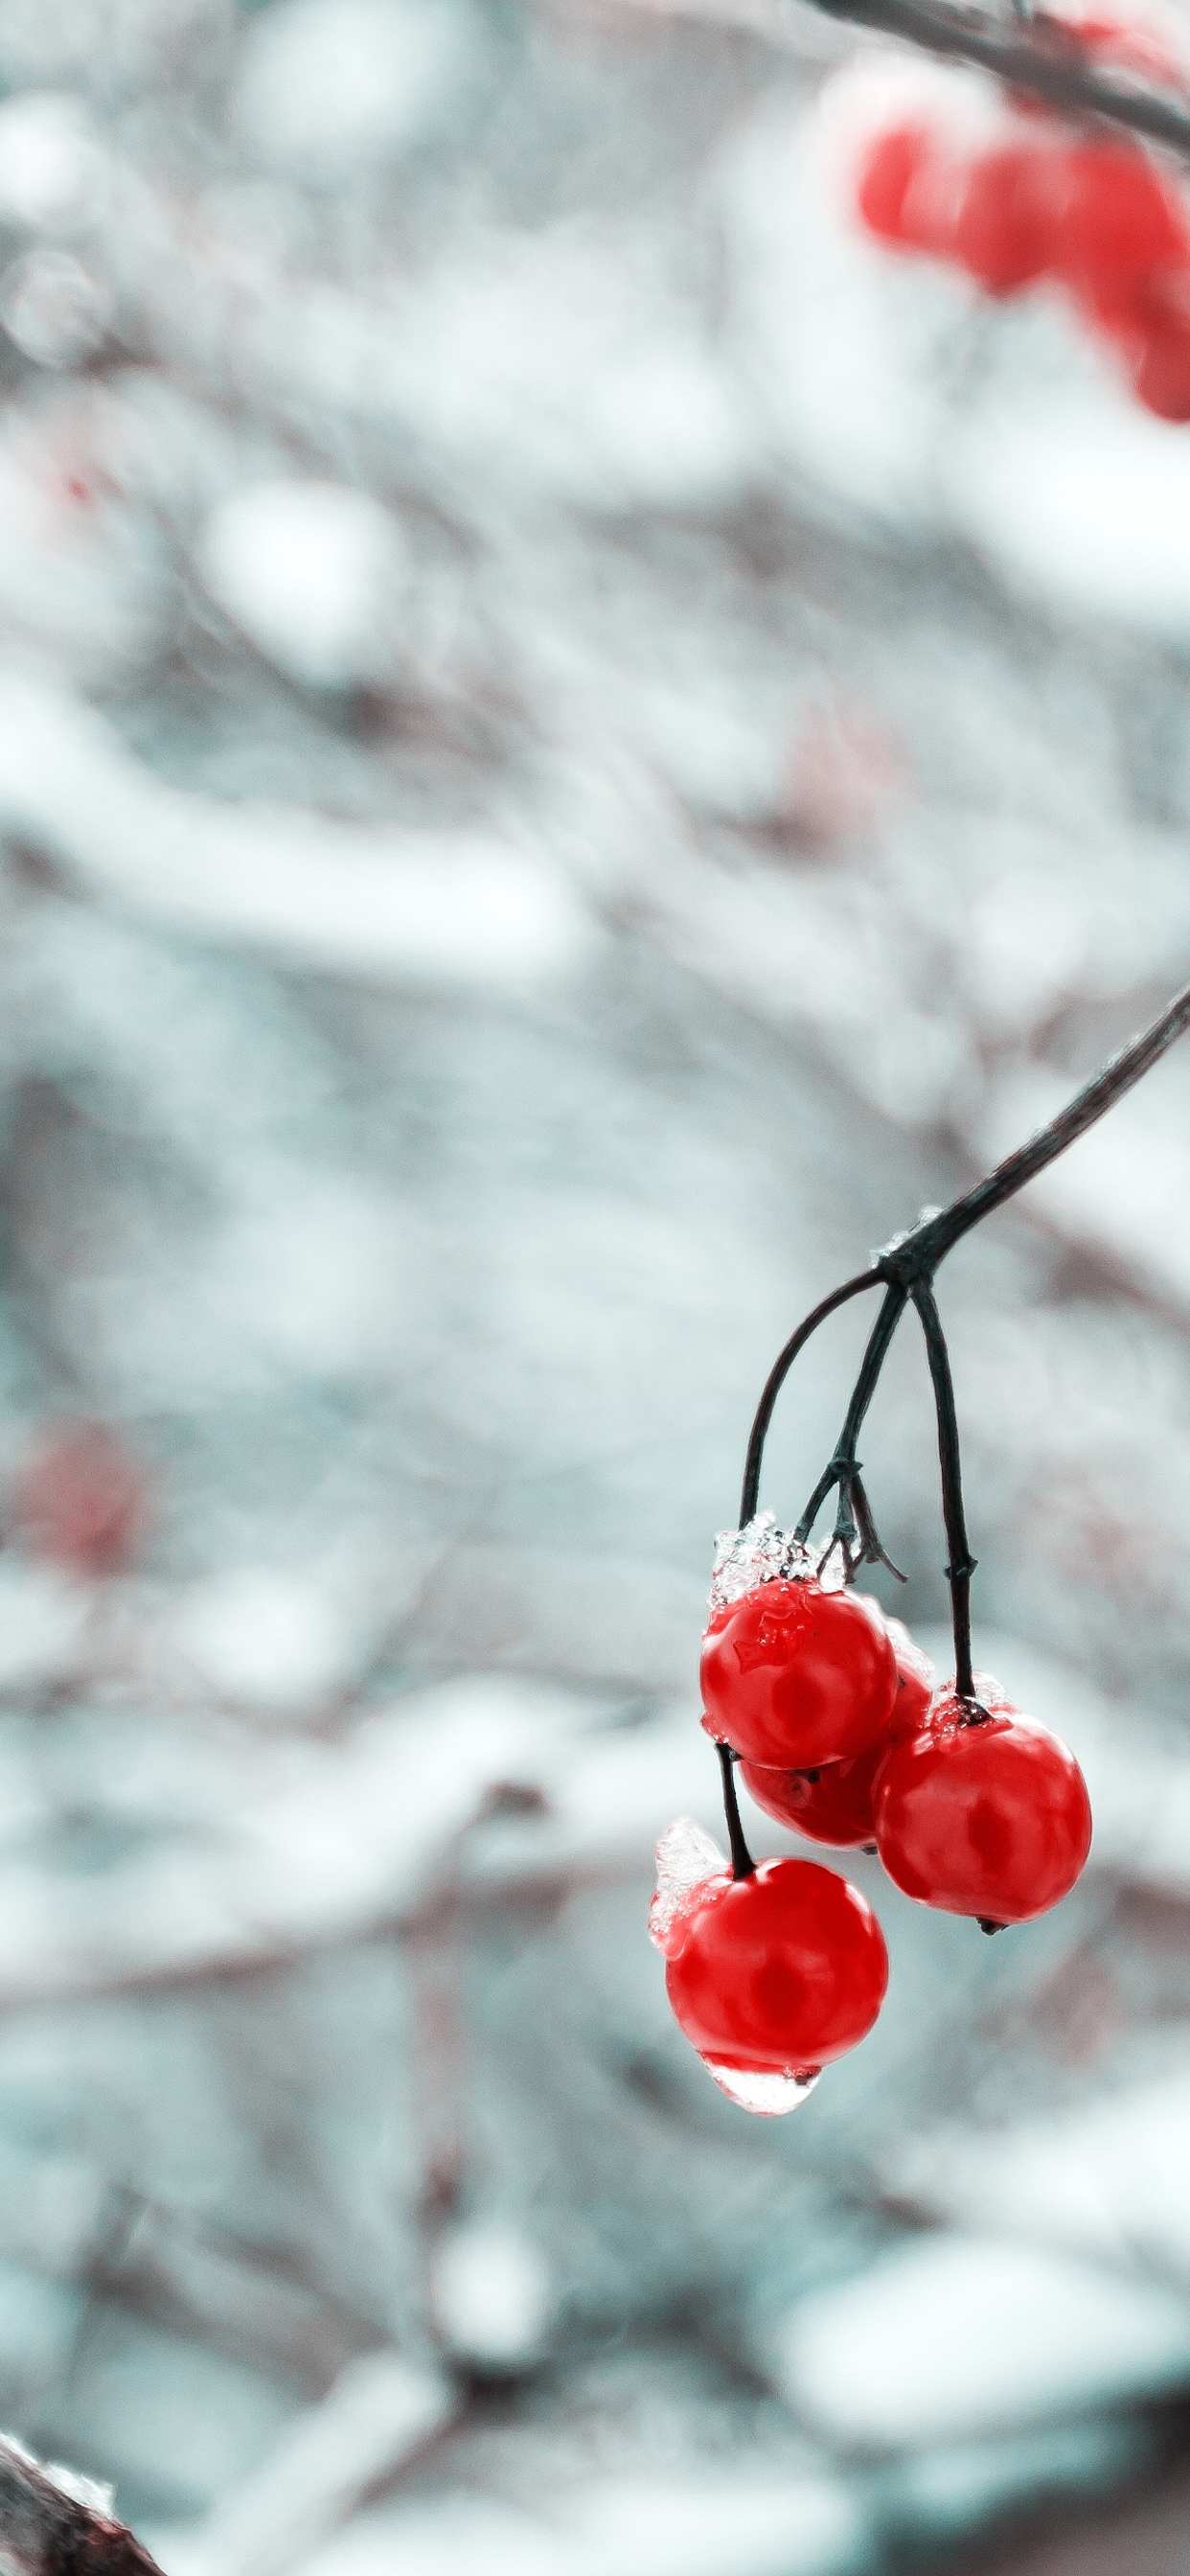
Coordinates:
[988,1691]
[770,2096]
[762,1553]
[687,1860]
[924,1216]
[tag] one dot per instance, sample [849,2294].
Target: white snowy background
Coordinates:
[575,743]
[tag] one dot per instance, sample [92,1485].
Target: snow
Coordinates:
[687,1861]
[951,2335]
[492,2294]
[311,571]
[325,83]
[421,906]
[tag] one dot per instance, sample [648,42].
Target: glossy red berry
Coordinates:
[835,1805]
[990,1819]
[794,1676]
[778,1973]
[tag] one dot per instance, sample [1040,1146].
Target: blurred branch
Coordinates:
[1041,57]
[380,2415]
[55,2525]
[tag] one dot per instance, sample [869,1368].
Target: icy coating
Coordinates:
[762,1553]
[687,1858]
[770,2096]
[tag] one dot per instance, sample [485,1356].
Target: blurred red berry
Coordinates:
[990,1819]
[1161,376]
[1006,217]
[80,1502]
[780,1972]
[795,1676]
[890,166]
[1117,217]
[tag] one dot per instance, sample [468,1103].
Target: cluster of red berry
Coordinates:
[1092,214]
[828,1709]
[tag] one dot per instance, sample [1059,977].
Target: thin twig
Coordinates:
[906,1270]
[1043,59]
[843,1469]
[961,1564]
[776,1379]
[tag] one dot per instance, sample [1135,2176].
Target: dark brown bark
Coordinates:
[44,2531]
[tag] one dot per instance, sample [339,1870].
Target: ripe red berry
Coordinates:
[794,1676]
[990,1819]
[836,1804]
[1161,372]
[1006,217]
[779,1973]
[1115,217]
[81,1501]
[891,164]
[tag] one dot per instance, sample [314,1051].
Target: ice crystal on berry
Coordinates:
[762,1553]
[687,1858]
[770,2096]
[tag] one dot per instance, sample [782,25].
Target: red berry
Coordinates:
[778,1973]
[891,164]
[990,1819]
[81,1502]
[1161,374]
[835,1805]
[1005,220]
[1117,217]
[794,1676]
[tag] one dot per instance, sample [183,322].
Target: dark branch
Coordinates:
[1042,58]
[916,1256]
[919,1256]
[46,2531]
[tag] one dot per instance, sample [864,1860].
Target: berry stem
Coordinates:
[776,1379]
[1027,57]
[906,1270]
[962,1564]
[843,1468]
[742,1863]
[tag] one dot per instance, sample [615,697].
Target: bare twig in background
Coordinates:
[381,2413]
[1042,58]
